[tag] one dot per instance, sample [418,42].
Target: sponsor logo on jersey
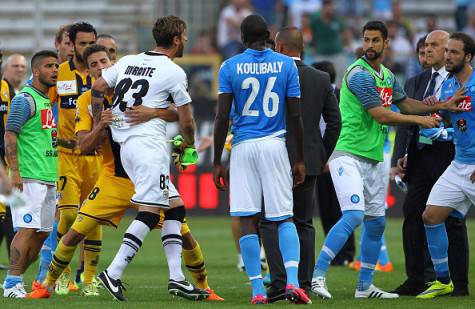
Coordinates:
[67,87]
[47,119]
[462,125]
[386,95]
[466,104]
[54,138]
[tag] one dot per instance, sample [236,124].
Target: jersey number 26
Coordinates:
[270,110]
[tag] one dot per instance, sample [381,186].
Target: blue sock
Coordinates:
[11,281]
[438,244]
[45,258]
[358,258]
[290,250]
[250,250]
[370,248]
[336,239]
[383,254]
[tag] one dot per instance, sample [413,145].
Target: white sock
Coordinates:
[131,243]
[172,245]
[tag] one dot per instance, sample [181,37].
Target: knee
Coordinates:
[428,218]
[176,213]
[68,215]
[375,225]
[353,218]
[150,219]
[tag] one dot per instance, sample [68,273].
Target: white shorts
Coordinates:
[146,161]
[454,189]
[261,169]
[38,212]
[360,184]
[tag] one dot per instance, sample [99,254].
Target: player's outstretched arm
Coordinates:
[221,126]
[295,121]
[385,116]
[415,107]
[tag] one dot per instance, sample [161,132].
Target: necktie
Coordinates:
[430,90]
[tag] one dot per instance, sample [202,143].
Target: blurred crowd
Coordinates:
[331,29]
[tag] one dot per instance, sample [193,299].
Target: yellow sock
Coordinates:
[61,258]
[92,250]
[195,263]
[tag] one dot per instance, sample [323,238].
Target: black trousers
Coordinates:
[423,175]
[6,230]
[304,205]
[330,213]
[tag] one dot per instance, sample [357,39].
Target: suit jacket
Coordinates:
[407,136]
[317,99]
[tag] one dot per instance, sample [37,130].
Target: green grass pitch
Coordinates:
[147,275]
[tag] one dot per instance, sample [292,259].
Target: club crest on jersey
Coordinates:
[386,95]
[462,125]
[47,119]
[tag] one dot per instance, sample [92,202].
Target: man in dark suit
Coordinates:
[425,162]
[317,100]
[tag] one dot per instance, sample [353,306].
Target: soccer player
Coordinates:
[454,192]
[108,41]
[150,79]
[14,71]
[30,143]
[110,198]
[264,86]
[77,171]
[64,49]
[367,92]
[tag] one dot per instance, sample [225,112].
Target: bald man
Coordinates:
[14,71]
[317,100]
[425,162]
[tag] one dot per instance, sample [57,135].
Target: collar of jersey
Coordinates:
[154,53]
[254,51]
[470,82]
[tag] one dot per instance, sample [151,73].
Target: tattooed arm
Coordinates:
[97,103]
[11,153]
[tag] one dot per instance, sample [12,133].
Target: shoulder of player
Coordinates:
[85,98]
[358,71]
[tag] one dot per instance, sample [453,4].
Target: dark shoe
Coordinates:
[458,291]
[408,288]
[115,287]
[274,295]
[186,290]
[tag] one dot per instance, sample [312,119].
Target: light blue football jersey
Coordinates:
[260,82]
[462,122]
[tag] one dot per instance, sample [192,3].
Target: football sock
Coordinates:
[290,251]
[438,244]
[173,245]
[61,259]
[336,239]
[92,251]
[195,263]
[66,220]
[11,281]
[131,243]
[250,254]
[45,258]
[370,248]
[383,254]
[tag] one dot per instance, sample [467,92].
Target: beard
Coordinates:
[46,82]
[180,49]
[375,55]
[78,56]
[456,68]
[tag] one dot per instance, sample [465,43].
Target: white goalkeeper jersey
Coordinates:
[150,79]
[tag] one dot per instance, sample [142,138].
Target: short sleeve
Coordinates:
[83,118]
[293,84]
[362,85]
[179,92]
[111,74]
[399,94]
[224,82]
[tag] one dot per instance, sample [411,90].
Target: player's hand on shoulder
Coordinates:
[299,173]
[106,118]
[453,103]
[221,177]
[428,122]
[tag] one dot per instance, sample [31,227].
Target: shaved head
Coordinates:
[291,38]
[435,44]
[439,35]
